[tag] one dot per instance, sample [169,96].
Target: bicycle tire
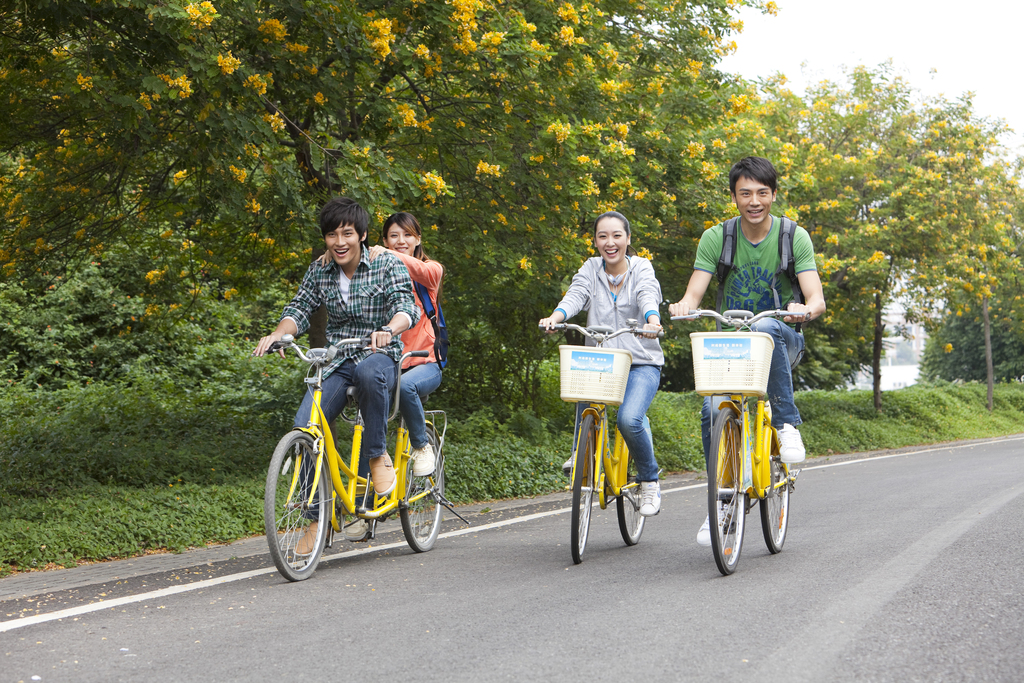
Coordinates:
[775,509]
[285,517]
[421,520]
[727,504]
[583,486]
[631,522]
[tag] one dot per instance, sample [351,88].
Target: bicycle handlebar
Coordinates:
[600,333]
[739,318]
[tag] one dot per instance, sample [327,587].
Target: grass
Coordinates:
[118,470]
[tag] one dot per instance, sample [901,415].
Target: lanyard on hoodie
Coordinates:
[614,280]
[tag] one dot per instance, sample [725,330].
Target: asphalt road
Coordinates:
[908,567]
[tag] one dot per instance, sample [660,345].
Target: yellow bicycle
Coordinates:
[308,482]
[743,465]
[597,376]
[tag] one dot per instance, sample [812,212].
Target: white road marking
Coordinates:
[163,592]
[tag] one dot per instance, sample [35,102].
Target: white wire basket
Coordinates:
[731,362]
[591,373]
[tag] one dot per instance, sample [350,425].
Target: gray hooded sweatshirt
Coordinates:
[639,297]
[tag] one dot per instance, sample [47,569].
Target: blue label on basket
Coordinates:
[726,349]
[591,361]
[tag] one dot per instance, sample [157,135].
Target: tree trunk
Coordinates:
[876,354]
[989,369]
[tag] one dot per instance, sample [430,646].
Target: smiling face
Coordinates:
[611,240]
[343,245]
[401,240]
[754,200]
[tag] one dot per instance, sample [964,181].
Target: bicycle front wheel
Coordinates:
[288,517]
[631,522]
[775,508]
[421,518]
[727,500]
[583,485]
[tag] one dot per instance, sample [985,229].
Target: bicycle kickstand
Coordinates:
[439,497]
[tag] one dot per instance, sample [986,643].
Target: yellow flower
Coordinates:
[434,186]
[298,48]
[154,276]
[179,177]
[525,264]
[378,32]
[201,15]
[276,122]
[583,159]
[695,149]
[240,173]
[560,130]
[693,68]
[488,169]
[85,82]
[145,101]
[228,64]
[644,252]
[621,130]
[257,83]
[422,51]
[501,218]
[183,85]
[948,348]
[252,206]
[568,13]
[273,30]
[567,36]
[319,98]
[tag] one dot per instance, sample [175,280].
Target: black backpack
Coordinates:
[787,262]
[437,321]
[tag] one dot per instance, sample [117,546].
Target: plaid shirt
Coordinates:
[377,293]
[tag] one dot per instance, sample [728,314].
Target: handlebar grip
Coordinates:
[277,346]
[419,354]
[556,326]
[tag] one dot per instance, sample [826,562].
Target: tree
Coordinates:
[204,136]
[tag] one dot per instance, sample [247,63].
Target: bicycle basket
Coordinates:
[731,362]
[594,374]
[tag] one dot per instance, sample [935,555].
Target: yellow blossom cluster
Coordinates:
[695,150]
[201,15]
[422,51]
[319,98]
[567,36]
[568,13]
[297,48]
[693,68]
[273,29]
[708,170]
[240,174]
[182,83]
[948,348]
[501,218]
[252,206]
[465,17]
[433,185]
[154,276]
[228,64]
[85,82]
[525,263]
[276,122]
[378,32]
[644,252]
[560,130]
[488,169]
[491,40]
[876,257]
[621,130]
[179,177]
[611,88]
[257,83]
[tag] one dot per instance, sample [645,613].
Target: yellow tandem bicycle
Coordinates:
[744,467]
[308,481]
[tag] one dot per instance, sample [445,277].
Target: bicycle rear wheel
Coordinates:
[775,508]
[583,485]
[287,513]
[631,522]
[421,519]
[727,502]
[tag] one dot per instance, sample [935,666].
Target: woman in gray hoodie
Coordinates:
[615,287]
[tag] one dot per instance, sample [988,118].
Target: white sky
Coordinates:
[972,46]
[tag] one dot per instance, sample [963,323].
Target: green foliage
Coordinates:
[965,360]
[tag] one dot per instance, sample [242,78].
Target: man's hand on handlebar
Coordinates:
[802,311]
[264,345]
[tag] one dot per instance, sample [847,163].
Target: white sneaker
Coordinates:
[791,445]
[704,534]
[650,498]
[357,530]
[567,467]
[422,460]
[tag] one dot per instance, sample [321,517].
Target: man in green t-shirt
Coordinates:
[753,183]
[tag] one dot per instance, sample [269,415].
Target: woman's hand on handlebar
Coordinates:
[651,330]
[679,308]
[549,323]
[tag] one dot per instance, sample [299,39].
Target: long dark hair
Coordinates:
[630,251]
[408,222]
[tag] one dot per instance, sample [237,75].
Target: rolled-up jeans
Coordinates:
[641,387]
[373,377]
[789,349]
[417,383]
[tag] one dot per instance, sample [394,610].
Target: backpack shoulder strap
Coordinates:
[424,295]
[726,259]
[787,262]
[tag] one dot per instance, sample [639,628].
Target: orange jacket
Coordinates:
[420,337]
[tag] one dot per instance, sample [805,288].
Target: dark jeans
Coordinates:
[373,378]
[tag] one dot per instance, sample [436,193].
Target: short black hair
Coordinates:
[344,211]
[755,168]
[612,214]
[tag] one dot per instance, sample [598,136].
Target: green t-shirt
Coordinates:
[749,285]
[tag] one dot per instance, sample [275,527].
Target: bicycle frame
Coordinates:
[757,467]
[612,462]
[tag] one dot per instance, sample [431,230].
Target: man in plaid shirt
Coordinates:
[363,298]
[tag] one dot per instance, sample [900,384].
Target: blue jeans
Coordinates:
[417,383]
[641,387]
[789,349]
[373,378]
